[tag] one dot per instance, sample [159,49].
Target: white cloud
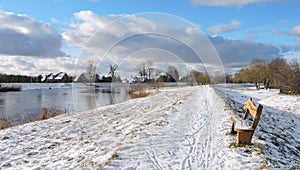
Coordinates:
[129,41]
[234,25]
[26,65]
[292,32]
[88,23]
[229,2]
[295,32]
[115,41]
[30,47]
[240,53]
[24,36]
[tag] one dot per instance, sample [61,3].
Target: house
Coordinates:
[47,77]
[86,77]
[136,79]
[61,77]
[57,78]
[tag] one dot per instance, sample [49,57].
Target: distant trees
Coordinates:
[172,74]
[145,71]
[295,76]
[278,73]
[285,75]
[193,77]
[257,72]
[5,78]
[92,76]
[200,77]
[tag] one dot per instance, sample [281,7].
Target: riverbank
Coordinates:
[177,128]
[10,88]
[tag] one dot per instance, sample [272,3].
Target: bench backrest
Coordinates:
[255,111]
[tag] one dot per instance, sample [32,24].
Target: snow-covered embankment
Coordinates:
[176,129]
[278,132]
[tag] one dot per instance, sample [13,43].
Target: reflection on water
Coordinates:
[78,98]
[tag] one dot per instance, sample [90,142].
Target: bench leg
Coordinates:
[232,129]
[244,137]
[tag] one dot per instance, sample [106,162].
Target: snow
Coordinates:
[50,76]
[178,128]
[60,76]
[43,77]
[278,131]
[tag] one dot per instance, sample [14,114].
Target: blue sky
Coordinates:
[272,26]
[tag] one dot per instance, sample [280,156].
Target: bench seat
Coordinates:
[241,125]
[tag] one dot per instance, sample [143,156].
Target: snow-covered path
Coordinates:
[181,137]
[181,128]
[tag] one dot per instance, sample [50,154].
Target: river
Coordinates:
[64,96]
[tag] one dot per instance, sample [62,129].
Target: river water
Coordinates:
[64,96]
[72,97]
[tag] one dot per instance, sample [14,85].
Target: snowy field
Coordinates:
[178,128]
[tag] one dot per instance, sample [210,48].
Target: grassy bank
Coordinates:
[45,113]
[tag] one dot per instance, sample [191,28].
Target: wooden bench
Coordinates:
[244,128]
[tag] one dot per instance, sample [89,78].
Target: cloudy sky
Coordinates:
[64,35]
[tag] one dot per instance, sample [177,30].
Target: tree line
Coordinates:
[278,73]
[10,78]
[171,74]
[145,73]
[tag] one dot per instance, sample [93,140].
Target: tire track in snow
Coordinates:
[154,160]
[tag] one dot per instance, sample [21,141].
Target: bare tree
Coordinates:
[295,77]
[279,73]
[142,71]
[149,69]
[259,72]
[113,72]
[91,71]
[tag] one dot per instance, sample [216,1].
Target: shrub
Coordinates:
[140,91]
[52,112]
[43,114]
[4,123]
